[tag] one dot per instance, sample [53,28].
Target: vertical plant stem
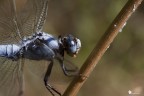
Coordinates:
[102,46]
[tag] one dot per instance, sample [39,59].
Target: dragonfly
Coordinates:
[22,37]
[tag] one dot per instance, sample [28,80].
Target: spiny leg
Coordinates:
[46,77]
[65,70]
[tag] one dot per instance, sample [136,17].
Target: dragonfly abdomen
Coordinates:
[9,50]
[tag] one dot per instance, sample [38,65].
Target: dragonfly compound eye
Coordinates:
[72,45]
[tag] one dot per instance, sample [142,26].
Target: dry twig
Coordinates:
[102,46]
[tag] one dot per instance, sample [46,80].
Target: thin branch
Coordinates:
[102,46]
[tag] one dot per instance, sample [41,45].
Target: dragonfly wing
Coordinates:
[10,71]
[33,16]
[16,24]
[57,79]
[9,31]
[10,77]
[37,68]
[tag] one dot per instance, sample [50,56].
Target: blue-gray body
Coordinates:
[37,47]
[41,46]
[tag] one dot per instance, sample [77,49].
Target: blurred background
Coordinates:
[121,69]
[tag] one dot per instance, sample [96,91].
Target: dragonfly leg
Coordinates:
[65,70]
[46,77]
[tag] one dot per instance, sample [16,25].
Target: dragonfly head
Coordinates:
[70,44]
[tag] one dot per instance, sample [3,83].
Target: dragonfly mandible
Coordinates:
[21,37]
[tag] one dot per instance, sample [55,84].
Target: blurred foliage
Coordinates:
[122,67]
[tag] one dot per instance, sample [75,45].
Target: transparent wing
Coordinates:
[10,73]
[10,77]
[33,16]
[57,78]
[15,24]
[38,68]
[9,31]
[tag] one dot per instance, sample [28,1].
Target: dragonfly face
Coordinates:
[21,38]
[71,45]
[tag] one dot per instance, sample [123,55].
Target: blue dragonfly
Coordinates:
[21,38]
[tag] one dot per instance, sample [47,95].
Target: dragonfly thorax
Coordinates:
[40,46]
[42,37]
[45,46]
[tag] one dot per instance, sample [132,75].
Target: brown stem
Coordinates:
[102,46]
